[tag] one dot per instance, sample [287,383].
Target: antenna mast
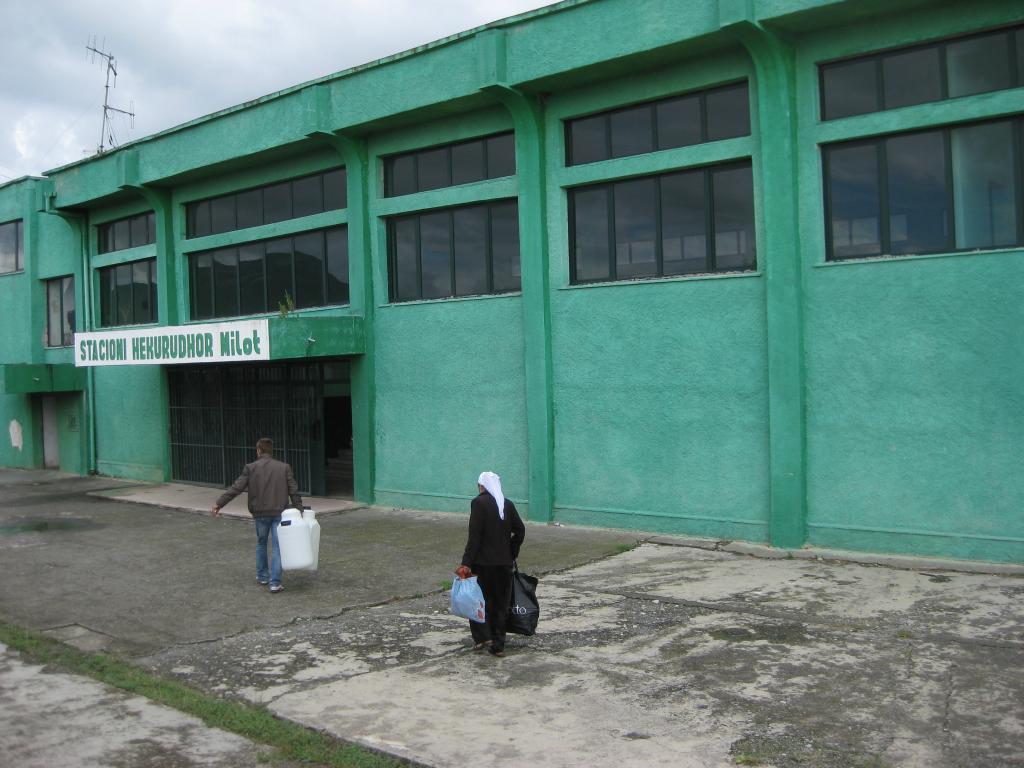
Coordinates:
[107,130]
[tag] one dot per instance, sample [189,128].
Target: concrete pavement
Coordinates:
[655,655]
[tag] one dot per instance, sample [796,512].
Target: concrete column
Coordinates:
[774,83]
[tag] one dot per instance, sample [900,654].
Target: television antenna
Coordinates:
[107,130]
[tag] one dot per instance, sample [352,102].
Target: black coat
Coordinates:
[493,541]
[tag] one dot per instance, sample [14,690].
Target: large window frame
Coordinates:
[127,232]
[112,280]
[414,221]
[271,271]
[201,215]
[875,62]
[652,111]
[12,246]
[951,182]
[493,165]
[60,311]
[708,214]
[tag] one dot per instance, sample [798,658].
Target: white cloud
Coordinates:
[183,59]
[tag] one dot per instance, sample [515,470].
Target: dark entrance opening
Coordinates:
[218,412]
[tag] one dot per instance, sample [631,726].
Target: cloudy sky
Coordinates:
[181,59]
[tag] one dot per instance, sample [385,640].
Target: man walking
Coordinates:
[271,484]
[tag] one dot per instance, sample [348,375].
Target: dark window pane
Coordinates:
[435,255]
[911,78]
[432,166]
[470,249]
[635,228]
[140,292]
[407,283]
[853,190]
[250,278]
[150,227]
[337,266]
[850,89]
[1020,57]
[632,131]
[123,277]
[590,234]
[53,324]
[202,286]
[979,65]
[309,270]
[68,311]
[728,112]
[505,246]
[225,281]
[107,296]
[402,175]
[199,219]
[588,140]
[20,249]
[277,202]
[918,196]
[279,273]
[222,214]
[122,235]
[153,304]
[468,162]
[307,196]
[9,247]
[249,207]
[501,156]
[985,196]
[684,242]
[733,192]
[335,190]
[678,122]
[138,234]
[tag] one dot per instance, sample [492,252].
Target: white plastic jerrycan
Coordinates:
[293,537]
[309,517]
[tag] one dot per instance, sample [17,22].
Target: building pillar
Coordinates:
[775,85]
[531,172]
[353,152]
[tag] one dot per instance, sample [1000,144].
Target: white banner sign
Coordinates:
[207,343]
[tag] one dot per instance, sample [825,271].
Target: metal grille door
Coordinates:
[218,412]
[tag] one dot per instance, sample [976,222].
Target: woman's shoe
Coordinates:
[495,651]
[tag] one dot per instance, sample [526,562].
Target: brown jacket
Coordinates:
[270,483]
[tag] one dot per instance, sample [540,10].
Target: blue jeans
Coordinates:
[266,527]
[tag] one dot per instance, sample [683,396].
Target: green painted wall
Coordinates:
[869,405]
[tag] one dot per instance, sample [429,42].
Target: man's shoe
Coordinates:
[261,582]
[276,588]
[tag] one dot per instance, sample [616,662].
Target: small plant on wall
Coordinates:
[286,306]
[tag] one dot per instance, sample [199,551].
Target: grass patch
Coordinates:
[744,759]
[292,741]
[621,549]
[446,585]
[904,634]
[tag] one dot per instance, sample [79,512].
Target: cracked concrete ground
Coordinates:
[660,655]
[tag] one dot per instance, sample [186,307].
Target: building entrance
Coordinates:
[218,412]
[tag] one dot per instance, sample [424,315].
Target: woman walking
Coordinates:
[496,533]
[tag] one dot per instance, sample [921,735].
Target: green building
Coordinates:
[747,269]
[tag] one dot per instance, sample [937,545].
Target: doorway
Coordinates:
[51,434]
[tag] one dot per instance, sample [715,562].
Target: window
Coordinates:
[60,311]
[491,157]
[686,222]
[933,191]
[128,294]
[126,233]
[963,66]
[711,115]
[12,247]
[467,251]
[269,204]
[310,268]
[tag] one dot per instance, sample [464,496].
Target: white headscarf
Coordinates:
[492,483]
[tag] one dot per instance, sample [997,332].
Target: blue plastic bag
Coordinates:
[468,600]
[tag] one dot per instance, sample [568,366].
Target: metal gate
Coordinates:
[218,412]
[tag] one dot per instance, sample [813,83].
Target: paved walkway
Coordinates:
[657,654]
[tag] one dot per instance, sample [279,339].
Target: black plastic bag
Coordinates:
[524,610]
